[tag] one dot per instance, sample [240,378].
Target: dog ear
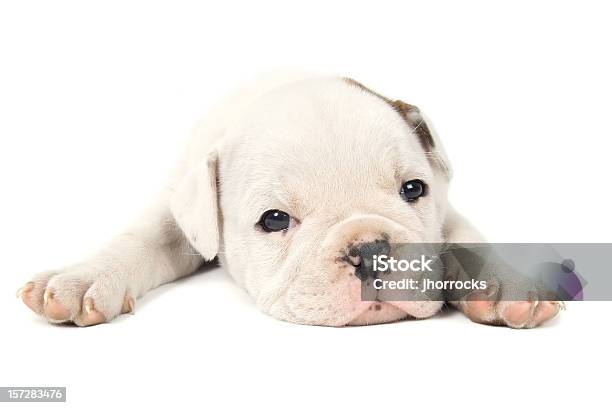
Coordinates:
[420,125]
[194,206]
[426,133]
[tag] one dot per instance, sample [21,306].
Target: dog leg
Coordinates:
[151,252]
[487,306]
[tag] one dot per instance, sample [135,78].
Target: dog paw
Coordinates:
[76,295]
[518,314]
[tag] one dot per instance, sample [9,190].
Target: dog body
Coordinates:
[290,183]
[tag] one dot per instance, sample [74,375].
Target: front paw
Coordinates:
[518,314]
[79,294]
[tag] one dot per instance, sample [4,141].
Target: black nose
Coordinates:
[362,257]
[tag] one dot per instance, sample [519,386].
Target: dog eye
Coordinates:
[276,220]
[412,190]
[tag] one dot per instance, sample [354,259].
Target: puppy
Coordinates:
[289,183]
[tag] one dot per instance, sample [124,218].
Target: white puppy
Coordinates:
[286,182]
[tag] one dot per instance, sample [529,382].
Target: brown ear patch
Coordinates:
[410,113]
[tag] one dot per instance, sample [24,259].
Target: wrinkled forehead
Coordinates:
[320,138]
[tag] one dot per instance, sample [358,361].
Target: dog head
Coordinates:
[313,178]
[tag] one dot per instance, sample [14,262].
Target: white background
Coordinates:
[96,99]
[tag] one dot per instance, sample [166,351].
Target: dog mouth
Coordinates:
[378,312]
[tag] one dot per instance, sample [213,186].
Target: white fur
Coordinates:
[327,152]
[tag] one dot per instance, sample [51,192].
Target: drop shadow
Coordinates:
[153,294]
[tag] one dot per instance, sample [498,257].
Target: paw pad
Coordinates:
[85,298]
